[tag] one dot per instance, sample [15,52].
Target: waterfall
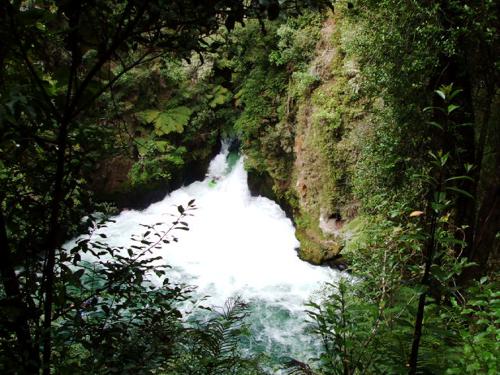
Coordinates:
[237,245]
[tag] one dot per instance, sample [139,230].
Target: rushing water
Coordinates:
[238,245]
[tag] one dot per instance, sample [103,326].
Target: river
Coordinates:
[237,245]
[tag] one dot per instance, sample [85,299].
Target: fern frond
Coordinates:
[295,367]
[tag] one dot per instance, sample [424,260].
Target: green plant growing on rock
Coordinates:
[407,271]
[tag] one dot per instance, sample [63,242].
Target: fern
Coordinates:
[212,348]
[294,367]
[222,336]
[218,96]
[172,120]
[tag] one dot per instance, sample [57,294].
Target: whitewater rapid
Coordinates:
[237,245]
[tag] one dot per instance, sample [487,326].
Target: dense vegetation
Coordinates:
[378,117]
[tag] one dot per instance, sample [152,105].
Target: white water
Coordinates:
[237,245]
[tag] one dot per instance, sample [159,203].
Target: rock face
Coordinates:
[315,249]
[338,263]
[331,224]
[311,173]
[110,181]
[329,120]
[110,176]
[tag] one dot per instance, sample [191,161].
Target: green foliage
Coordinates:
[263,72]
[396,63]
[392,283]
[212,347]
[258,96]
[168,121]
[116,312]
[476,315]
[343,322]
[370,132]
[218,95]
[417,47]
[303,83]
[384,174]
[83,82]
[297,39]
[157,166]
[366,324]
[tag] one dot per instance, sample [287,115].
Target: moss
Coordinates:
[328,122]
[313,251]
[355,234]
[332,124]
[315,247]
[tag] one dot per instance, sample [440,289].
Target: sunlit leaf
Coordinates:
[172,120]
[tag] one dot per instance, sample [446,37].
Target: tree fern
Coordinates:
[218,96]
[165,122]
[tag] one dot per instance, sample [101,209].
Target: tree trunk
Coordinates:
[52,243]
[26,349]
[429,254]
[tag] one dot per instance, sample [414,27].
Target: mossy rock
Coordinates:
[316,250]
